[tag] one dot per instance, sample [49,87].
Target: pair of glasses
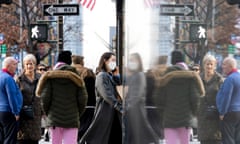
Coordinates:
[42,69]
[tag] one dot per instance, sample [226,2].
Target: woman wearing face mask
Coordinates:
[138,129]
[106,125]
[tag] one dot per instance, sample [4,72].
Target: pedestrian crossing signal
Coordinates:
[39,32]
[198,32]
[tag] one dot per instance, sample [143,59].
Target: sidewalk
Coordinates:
[195,141]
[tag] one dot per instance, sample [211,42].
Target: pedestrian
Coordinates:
[29,129]
[10,102]
[89,79]
[153,112]
[178,96]
[41,69]
[106,125]
[64,97]
[208,130]
[196,68]
[228,102]
[137,127]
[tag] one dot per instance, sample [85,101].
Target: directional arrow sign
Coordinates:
[177,10]
[60,9]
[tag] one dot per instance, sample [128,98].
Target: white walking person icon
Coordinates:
[35,32]
[201,32]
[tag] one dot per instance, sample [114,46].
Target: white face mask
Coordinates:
[112,65]
[132,65]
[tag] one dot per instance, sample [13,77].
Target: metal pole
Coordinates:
[177,30]
[213,20]
[21,31]
[120,35]
[60,30]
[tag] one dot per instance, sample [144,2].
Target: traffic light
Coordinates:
[233,2]
[39,32]
[5,1]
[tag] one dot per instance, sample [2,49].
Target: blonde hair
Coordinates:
[209,57]
[30,57]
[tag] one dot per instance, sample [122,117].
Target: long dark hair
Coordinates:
[139,59]
[106,56]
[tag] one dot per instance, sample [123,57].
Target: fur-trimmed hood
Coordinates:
[58,74]
[162,81]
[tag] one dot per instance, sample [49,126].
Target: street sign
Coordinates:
[231,49]
[176,10]
[3,48]
[60,9]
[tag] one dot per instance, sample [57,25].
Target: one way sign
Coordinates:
[176,10]
[60,9]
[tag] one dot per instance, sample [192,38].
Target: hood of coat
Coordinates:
[58,74]
[162,81]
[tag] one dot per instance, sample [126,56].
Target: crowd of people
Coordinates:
[71,104]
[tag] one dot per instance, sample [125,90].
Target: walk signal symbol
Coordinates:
[39,32]
[198,32]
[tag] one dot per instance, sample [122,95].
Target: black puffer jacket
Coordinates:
[178,97]
[63,96]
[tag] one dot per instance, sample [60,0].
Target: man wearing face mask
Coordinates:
[106,125]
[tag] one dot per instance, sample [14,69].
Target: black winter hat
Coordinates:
[65,56]
[177,56]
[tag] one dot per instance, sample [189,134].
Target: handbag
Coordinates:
[211,112]
[27,112]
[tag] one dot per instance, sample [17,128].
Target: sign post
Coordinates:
[176,10]
[60,9]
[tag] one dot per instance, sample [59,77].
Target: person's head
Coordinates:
[209,63]
[177,56]
[107,62]
[77,59]
[196,68]
[29,63]
[228,65]
[135,62]
[10,64]
[162,60]
[65,56]
[41,68]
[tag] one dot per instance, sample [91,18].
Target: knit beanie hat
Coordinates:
[177,56]
[65,56]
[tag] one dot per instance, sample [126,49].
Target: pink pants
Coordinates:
[177,135]
[64,135]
